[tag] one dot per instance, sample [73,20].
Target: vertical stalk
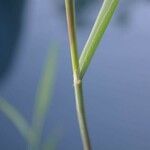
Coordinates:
[81,115]
[70,12]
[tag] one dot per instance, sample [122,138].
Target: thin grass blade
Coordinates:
[50,144]
[53,139]
[102,21]
[44,94]
[16,118]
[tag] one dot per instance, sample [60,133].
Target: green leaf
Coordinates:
[52,140]
[102,21]
[44,94]
[16,118]
[50,144]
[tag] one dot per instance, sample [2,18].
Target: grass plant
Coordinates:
[81,64]
[32,133]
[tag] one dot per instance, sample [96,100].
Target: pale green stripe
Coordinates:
[16,118]
[44,95]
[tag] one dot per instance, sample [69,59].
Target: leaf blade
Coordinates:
[50,144]
[16,118]
[101,23]
[44,95]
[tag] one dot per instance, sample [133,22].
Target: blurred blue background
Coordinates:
[117,85]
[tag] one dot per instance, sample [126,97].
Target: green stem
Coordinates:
[81,115]
[72,35]
[70,12]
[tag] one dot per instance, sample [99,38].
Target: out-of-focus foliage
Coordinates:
[32,133]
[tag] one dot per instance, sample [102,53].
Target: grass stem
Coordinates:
[81,115]
[70,12]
